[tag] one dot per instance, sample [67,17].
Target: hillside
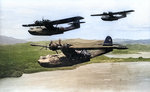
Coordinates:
[75,42]
[4,40]
[119,41]
[129,41]
[146,41]
[22,58]
[40,38]
[82,42]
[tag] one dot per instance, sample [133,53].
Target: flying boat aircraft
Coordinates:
[47,27]
[112,16]
[75,54]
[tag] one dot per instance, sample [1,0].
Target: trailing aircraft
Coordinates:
[111,16]
[47,28]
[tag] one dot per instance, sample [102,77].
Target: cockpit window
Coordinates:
[31,28]
[106,16]
[38,27]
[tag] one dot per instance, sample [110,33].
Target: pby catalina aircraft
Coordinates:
[111,16]
[75,54]
[46,27]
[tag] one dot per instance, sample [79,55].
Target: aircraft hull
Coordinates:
[61,60]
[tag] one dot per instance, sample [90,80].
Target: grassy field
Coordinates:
[22,58]
[133,49]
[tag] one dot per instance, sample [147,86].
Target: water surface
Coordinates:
[96,77]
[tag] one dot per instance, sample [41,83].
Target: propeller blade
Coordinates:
[41,48]
[60,42]
[51,42]
[56,52]
[57,44]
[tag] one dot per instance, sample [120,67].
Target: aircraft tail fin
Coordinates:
[108,41]
[76,23]
[125,14]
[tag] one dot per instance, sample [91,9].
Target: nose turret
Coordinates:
[49,61]
[35,30]
[32,32]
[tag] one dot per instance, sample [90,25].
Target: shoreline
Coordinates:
[18,74]
[112,77]
[107,58]
[139,54]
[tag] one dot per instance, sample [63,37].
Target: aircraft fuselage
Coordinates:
[47,31]
[47,27]
[112,18]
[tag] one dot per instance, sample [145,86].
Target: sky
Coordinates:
[14,13]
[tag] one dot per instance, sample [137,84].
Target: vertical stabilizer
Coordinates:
[108,41]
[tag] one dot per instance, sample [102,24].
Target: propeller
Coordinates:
[60,43]
[42,48]
[105,13]
[42,18]
[51,42]
[53,46]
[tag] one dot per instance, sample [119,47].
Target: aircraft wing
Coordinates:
[67,20]
[55,22]
[122,12]
[28,25]
[38,45]
[98,47]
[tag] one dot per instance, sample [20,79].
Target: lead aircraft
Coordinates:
[75,54]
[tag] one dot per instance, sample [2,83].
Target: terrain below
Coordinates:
[96,77]
[140,54]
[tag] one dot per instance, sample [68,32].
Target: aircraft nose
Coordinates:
[48,64]
[103,18]
[32,32]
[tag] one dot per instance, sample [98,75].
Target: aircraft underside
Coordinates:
[70,57]
[50,31]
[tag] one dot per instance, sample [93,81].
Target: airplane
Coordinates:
[112,16]
[46,27]
[75,54]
